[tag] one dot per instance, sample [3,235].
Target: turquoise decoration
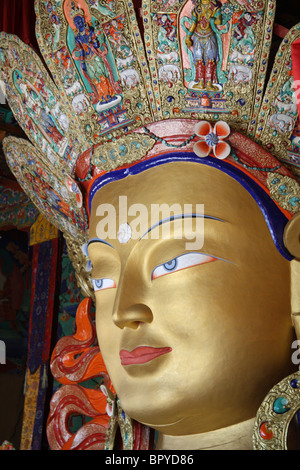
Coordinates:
[112,154]
[163,141]
[278,410]
[227,11]
[283,189]
[280,405]
[294,201]
[123,150]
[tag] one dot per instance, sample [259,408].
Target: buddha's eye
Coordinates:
[181,262]
[101,284]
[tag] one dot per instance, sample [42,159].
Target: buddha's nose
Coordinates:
[133,299]
[132,316]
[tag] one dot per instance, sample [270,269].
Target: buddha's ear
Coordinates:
[292,244]
[291,236]
[295,295]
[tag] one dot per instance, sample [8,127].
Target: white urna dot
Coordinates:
[124,233]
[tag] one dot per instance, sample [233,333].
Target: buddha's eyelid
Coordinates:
[111,283]
[190,253]
[195,253]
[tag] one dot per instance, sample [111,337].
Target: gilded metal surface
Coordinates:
[275,415]
[79,262]
[113,24]
[55,193]
[39,107]
[112,425]
[118,420]
[106,87]
[126,428]
[166,311]
[277,123]
[122,150]
[243,34]
[285,191]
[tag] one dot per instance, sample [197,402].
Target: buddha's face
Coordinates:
[193,339]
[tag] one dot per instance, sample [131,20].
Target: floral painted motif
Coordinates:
[212,140]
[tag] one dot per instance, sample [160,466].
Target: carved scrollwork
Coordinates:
[276,413]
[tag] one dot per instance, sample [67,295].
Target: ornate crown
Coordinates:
[122,92]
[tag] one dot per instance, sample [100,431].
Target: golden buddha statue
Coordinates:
[192,340]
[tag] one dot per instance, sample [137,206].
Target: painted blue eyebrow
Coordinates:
[98,240]
[158,224]
[180,216]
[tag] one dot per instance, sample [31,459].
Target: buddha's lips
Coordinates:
[141,355]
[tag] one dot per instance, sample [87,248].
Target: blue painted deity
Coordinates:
[92,56]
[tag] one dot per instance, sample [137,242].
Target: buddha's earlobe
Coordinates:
[295,295]
[292,243]
[292,236]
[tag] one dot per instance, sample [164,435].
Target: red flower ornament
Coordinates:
[212,140]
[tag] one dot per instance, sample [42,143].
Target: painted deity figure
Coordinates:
[243,36]
[39,112]
[91,55]
[49,126]
[203,41]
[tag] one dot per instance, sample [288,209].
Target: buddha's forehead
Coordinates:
[181,186]
[233,210]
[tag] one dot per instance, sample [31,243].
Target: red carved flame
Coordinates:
[75,359]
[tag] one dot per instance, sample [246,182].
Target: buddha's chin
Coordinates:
[164,421]
[169,422]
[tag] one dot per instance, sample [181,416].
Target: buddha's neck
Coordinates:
[236,437]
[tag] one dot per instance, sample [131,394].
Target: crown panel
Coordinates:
[208,59]
[55,194]
[38,106]
[95,52]
[278,128]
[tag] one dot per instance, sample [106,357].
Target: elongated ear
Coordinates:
[292,243]
[291,236]
[295,295]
